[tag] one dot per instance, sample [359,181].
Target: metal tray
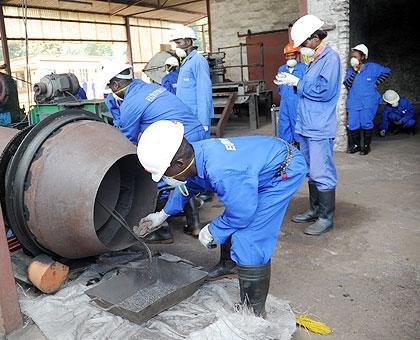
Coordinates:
[138,295]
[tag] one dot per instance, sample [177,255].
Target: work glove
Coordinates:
[206,238]
[285,78]
[150,223]
[382,133]
[206,128]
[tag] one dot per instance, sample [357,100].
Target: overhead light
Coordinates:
[79,2]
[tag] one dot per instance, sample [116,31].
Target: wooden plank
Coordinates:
[227,110]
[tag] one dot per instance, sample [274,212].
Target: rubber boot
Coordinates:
[312,213]
[226,268]
[367,138]
[326,214]
[193,226]
[254,282]
[161,236]
[354,141]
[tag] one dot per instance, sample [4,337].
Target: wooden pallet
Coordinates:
[223,117]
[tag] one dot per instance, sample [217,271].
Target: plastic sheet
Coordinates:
[208,314]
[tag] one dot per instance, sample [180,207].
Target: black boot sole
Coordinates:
[304,221]
[318,234]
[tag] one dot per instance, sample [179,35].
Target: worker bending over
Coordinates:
[316,124]
[398,114]
[171,78]
[142,104]
[254,177]
[194,86]
[289,97]
[363,98]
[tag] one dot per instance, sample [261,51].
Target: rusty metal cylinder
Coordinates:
[62,175]
[6,135]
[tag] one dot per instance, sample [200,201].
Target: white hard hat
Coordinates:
[172,61]
[114,70]
[158,145]
[391,97]
[183,32]
[304,27]
[362,48]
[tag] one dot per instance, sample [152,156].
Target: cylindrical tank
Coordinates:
[64,171]
[6,135]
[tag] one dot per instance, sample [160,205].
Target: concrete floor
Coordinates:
[361,278]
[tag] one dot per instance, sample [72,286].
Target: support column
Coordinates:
[4,46]
[209,24]
[10,317]
[128,35]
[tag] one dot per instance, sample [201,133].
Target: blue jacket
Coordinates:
[404,112]
[237,169]
[145,104]
[169,81]
[114,109]
[194,87]
[319,91]
[363,93]
[288,92]
[81,93]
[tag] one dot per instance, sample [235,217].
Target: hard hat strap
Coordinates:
[183,171]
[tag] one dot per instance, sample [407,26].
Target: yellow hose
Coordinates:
[314,326]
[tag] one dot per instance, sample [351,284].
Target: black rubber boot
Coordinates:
[354,141]
[161,236]
[367,139]
[326,213]
[312,213]
[193,226]
[226,268]
[254,282]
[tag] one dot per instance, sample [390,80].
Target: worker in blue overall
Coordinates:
[194,86]
[255,178]
[141,105]
[363,99]
[171,78]
[113,106]
[289,97]
[398,114]
[316,124]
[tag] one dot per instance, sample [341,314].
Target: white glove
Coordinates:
[285,78]
[206,128]
[382,133]
[206,238]
[150,223]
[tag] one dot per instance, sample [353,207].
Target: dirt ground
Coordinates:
[362,277]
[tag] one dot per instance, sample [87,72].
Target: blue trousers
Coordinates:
[320,158]
[287,120]
[361,119]
[256,243]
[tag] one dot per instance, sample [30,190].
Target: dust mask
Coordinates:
[354,62]
[291,62]
[181,54]
[394,104]
[309,52]
[116,97]
[172,182]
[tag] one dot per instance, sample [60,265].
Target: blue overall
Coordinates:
[289,104]
[81,93]
[316,122]
[363,98]
[242,172]
[114,109]
[145,104]
[404,112]
[194,88]
[169,81]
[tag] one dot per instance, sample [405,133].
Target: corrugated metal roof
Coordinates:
[171,10]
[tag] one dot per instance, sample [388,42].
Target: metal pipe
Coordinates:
[128,35]
[59,172]
[4,46]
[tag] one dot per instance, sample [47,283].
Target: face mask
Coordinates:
[354,62]
[291,62]
[180,53]
[394,104]
[116,97]
[172,182]
[309,52]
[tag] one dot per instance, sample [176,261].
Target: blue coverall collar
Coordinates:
[326,50]
[189,56]
[199,160]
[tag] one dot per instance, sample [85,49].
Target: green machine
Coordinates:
[58,92]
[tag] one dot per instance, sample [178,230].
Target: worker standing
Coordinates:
[363,99]
[289,97]
[316,124]
[171,78]
[398,114]
[194,86]
[142,104]
[254,177]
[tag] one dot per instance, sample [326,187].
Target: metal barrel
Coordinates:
[6,135]
[64,171]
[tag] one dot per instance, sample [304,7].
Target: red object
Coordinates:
[290,49]
[284,176]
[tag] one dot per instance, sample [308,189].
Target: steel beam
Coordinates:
[128,34]
[209,24]
[171,8]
